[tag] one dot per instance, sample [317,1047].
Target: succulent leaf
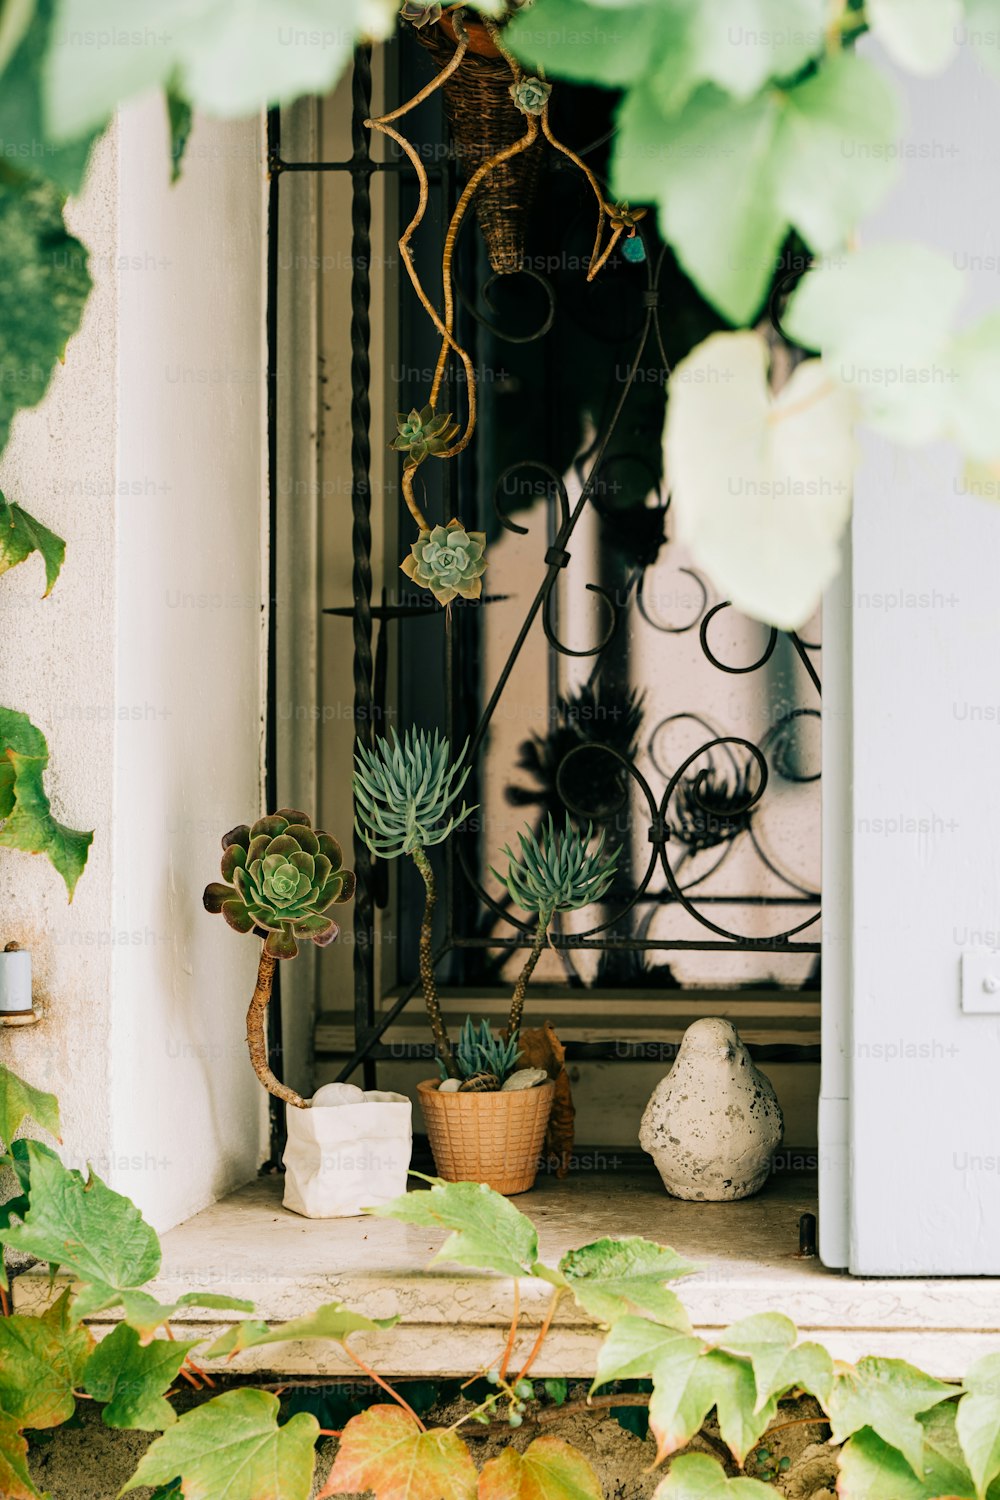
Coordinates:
[449,561]
[481,1054]
[279,883]
[421,432]
[406,791]
[558,871]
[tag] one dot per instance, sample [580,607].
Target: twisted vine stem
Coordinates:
[257,1033]
[427,981]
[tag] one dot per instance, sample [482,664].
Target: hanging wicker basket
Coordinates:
[483,119]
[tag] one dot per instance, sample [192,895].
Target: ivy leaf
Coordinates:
[25,814]
[488,1231]
[683,1395]
[233,1446]
[41,1364]
[761,485]
[383,1450]
[673,47]
[871,1469]
[229,60]
[331,1321]
[742,1419]
[46,284]
[548,1469]
[179,117]
[917,34]
[22,128]
[132,1378]
[21,534]
[613,1277]
[146,1315]
[977,1421]
[634,1348]
[15,1481]
[18,1101]
[695,1476]
[886,1395]
[766,1339]
[812,156]
[96,1235]
[808,1367]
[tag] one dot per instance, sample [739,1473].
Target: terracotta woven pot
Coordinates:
[493,1138]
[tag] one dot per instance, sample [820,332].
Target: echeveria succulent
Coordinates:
[557,871]
[449,561]
[421,12]
[283,876]
[530,95]
[422,432]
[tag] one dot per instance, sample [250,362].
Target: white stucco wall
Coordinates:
[145,668]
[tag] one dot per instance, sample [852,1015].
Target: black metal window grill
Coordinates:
[568,442]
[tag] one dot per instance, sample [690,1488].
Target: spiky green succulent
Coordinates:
[406,793]
[480,1051]
[423,432]
[449,561]
[282,876]
[557,871]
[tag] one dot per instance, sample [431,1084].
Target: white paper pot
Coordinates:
[341,1159]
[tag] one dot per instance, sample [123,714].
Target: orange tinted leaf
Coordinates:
[384,1450]
[548,1469]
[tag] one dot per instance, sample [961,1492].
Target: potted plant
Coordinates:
[347,1150]
[485,1115]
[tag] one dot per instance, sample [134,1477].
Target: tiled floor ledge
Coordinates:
[455,1321]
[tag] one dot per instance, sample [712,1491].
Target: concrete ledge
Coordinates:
[454,1321]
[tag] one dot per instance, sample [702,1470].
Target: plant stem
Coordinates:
[536,1347]
[383,1383]
[520,988]
[257,1033]
[427,981]
[512,1335]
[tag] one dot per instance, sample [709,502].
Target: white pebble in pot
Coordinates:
[337,1093]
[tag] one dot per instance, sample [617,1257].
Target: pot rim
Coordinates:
[433,1086]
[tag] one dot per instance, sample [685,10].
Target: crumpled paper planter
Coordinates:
[343,1158]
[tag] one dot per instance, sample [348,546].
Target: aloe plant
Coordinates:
[554,871]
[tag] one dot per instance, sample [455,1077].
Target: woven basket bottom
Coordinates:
[492,1138]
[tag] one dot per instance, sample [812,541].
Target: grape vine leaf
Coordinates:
[766,1339]
[886,1395]
[19,1101]
[41,1364]
[807,1367]
[731,1384]
[383,1450]
[871,1469]
[146,1315]
[46,284]
[487,1230]
[917,34]
[613,1277]
[761,485]
[233,1446]
[132,1378]
[26,820]
[635,1347]
[331,1321]
[674,47]
[15,1481]
[21,535]
[977,1421]
[22,128]
[548,1469]
[84,1228]
[813,156]
[695,1476]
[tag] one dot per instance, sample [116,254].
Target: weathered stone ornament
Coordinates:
[714,1122]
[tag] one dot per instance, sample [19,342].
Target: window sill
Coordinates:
[247,1245]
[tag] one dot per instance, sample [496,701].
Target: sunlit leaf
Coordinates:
[232,1446]
[487,1230]
[613,1277]
[977,1421]
[761,485]
[886,1395]
[132,1378]
[383,1450]
[146,1314]
[21,535]
[15,1481]
[635,1346]
[41,1364]
[808,1367]
[871,1469]
[26,820]
[548,1469]
[766,1339]
[917,34]
[331,1321]
[19,1101]
[742,1419]
[695,1476]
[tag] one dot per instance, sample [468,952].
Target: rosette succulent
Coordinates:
[449,561]
[530,95]
[423,432]
[421,12]
[405,793]
[283,876]
[558,871]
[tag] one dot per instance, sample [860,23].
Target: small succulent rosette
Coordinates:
[283,877]
[449,561]
[347,1153]
[530,95]
[422,432]
[421,13]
